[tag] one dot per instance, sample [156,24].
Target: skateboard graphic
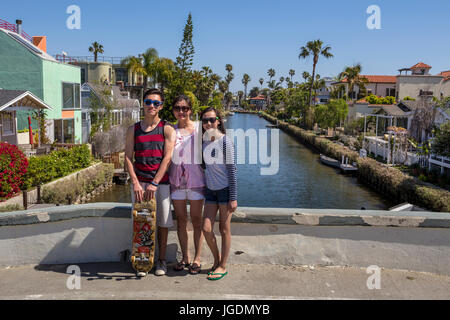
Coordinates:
[144,229]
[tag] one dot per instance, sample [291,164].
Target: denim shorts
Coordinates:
[221,196]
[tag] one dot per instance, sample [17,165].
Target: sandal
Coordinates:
[195,268]
[180,266]
[216,274]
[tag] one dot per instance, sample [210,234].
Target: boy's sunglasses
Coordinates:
[149,102]
[212,120]
[184,108]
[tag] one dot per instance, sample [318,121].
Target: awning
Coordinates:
[18,99]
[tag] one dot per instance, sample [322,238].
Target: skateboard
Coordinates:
[144,229]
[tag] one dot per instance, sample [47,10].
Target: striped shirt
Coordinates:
[149,152]
[220,174]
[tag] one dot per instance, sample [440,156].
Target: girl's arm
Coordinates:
[231,167]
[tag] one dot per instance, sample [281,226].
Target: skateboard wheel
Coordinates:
[133,259]
[134,213]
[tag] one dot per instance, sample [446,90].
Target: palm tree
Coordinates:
[271,74]
[261,81]
[96,48]
[245,80]
[134,64]
[353,77]
[292,73]
[314,48]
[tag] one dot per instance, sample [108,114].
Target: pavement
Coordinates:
[118,281]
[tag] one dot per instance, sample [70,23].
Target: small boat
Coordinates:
[231,114]
[345,167]
[330,161]
[405,206]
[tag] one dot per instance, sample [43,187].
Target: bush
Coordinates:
[13,166]
[58,164]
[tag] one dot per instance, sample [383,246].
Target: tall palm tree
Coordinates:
[353,78]
[148,62]
[292,73]
[314,48]
[245,80]
[96,48]
[271,74]
[134,64]
[261,81]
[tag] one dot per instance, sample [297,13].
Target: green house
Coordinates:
[25,66]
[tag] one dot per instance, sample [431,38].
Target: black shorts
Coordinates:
[221,196]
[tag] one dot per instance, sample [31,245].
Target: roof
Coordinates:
[377,78]
[445,74]
[409,104]
[11,98]
[420,65]
[393,110]
[260,97]
[28,45]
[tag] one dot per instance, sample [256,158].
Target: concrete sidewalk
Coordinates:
[118,281]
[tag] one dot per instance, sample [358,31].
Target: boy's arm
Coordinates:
[129,154]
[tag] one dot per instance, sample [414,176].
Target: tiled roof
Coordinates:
[420,65]
[445,74]
[378,79]
[260,97]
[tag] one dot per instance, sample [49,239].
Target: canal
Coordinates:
[301,181]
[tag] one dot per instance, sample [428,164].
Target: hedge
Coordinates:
[388,180]
[60,163]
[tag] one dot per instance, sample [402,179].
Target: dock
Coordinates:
[121,176]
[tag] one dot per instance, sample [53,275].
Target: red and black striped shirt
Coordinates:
[149,152]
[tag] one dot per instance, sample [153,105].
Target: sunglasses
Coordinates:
[149,102]
[212,120]
[184,108]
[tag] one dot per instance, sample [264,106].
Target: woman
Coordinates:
[187,182]
[221,188]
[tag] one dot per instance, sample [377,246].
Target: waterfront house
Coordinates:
[25,65]
[259,102]
[379,85]
[124,109]
[13,102]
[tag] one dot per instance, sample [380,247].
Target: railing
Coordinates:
[112,60]
[441,161]
[12,27]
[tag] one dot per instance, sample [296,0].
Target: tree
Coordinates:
[134,64]
[261,81]
[148,59]
[353,77]
[271,74]
[245,80]
[292,73]
[185,57]
[441,142]
[230,75]
[96,48]
[315,49]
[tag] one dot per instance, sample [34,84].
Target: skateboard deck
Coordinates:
[144,230]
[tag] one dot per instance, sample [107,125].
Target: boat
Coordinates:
[405,206]
[330,161]
[231,113]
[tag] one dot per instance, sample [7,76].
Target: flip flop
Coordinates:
[180,266]
[216,274]
[195,268]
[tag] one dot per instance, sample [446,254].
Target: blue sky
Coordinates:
[251,35]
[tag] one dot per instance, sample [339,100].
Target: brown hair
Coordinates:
[154,91]
[218,115]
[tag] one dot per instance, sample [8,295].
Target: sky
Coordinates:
[252,36]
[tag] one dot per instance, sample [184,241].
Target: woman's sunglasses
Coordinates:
[156,103]
[212,120]
[178,108]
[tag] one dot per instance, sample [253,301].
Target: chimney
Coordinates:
[19,26]
[40,42]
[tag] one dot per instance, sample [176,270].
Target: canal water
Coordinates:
[301,181]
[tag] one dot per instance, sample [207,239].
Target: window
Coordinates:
[71,95]
[83,75]
[390,92]
[64,130]
[7,123]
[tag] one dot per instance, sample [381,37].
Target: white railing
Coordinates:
[441,161]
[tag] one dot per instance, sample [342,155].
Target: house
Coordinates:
[259,102]
[421,83]
[123,106]
[13,102]
[379,85]
[323,94]
[25,65]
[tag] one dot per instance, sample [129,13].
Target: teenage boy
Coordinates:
[151,142]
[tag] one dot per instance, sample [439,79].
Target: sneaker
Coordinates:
[141,274]
[161,268]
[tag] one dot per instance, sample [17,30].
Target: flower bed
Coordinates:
[13,166]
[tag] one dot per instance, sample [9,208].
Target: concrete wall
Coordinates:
[411,86]
[100,232]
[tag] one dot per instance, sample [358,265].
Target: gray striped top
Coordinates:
[220,165]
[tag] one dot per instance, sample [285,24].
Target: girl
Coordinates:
[187,182]
[221,188]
